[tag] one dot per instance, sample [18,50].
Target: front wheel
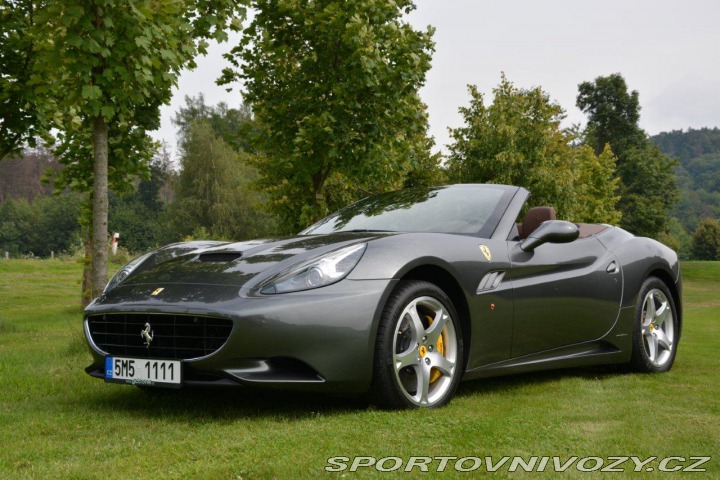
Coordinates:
[656,332]
[419,349]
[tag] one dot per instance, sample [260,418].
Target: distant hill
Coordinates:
[697,172]
[689,144]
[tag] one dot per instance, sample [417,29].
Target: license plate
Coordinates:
[143,371]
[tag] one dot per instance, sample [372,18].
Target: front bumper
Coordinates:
[316,340]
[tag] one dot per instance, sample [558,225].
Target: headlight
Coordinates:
[123,273]
[317,272]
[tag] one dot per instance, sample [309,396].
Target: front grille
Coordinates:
[173,336]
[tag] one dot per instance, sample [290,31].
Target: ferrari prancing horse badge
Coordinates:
[486,251]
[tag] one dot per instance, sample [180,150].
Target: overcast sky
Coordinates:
[667,50]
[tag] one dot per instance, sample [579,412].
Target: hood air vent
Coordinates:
[219,257]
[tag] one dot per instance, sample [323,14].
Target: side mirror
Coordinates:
[551,231]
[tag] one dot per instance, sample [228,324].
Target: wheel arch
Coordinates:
[667,279]
[447,283]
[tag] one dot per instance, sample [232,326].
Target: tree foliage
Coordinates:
[706,240]
[152,191]
[697,175]
[689,144]
[46,224]
[517,140]
[613,114]
[139,227]
[236,126]
[647,191]
[647,186]
[595,185]
[214,190]
[334,84]
[139,215]
[698,182]
[108,65]
[21,108]
[678,239]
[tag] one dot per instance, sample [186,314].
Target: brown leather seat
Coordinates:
[534,217]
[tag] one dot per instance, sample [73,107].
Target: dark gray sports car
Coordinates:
[400,295]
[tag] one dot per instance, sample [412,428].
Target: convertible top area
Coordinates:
[537,215]
[591,229]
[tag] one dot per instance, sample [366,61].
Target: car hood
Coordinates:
[235,264]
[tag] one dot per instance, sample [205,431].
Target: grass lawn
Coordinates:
[57,422]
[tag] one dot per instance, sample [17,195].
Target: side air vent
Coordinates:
[490,281]
[219,257]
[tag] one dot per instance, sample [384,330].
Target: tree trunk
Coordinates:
[3,153]
[87,295]
[100,206]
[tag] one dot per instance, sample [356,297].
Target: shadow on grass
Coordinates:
[251,403]
[509,383]
[220,403]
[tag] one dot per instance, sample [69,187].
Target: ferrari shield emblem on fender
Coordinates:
[156,291]
[486,251]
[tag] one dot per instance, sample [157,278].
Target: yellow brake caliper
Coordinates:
[440,347]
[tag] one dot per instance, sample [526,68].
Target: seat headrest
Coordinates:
[534,217]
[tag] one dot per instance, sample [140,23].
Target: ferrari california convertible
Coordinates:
[399,296]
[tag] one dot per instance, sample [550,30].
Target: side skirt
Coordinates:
[614,348]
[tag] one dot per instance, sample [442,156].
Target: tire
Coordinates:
[655,332]
[417,365]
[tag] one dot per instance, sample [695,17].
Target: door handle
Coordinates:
[613,267]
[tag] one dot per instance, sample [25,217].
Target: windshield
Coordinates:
[469,209]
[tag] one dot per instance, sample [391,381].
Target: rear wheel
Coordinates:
[655,332]
[419,349]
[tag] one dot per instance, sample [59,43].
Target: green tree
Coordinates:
[109,65]
[334,84]
[706,240]
[139,226]
[236,126]
[613,114]
[215,191]
[150,190]
[678,239]
[9,237]
[414,165]
[59,228]
[647,191]
[594,186]
[21,109]
[20,221]
[424,169]
[689,144]
[517,140]
[139,215]
[47,224]
[647,186]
